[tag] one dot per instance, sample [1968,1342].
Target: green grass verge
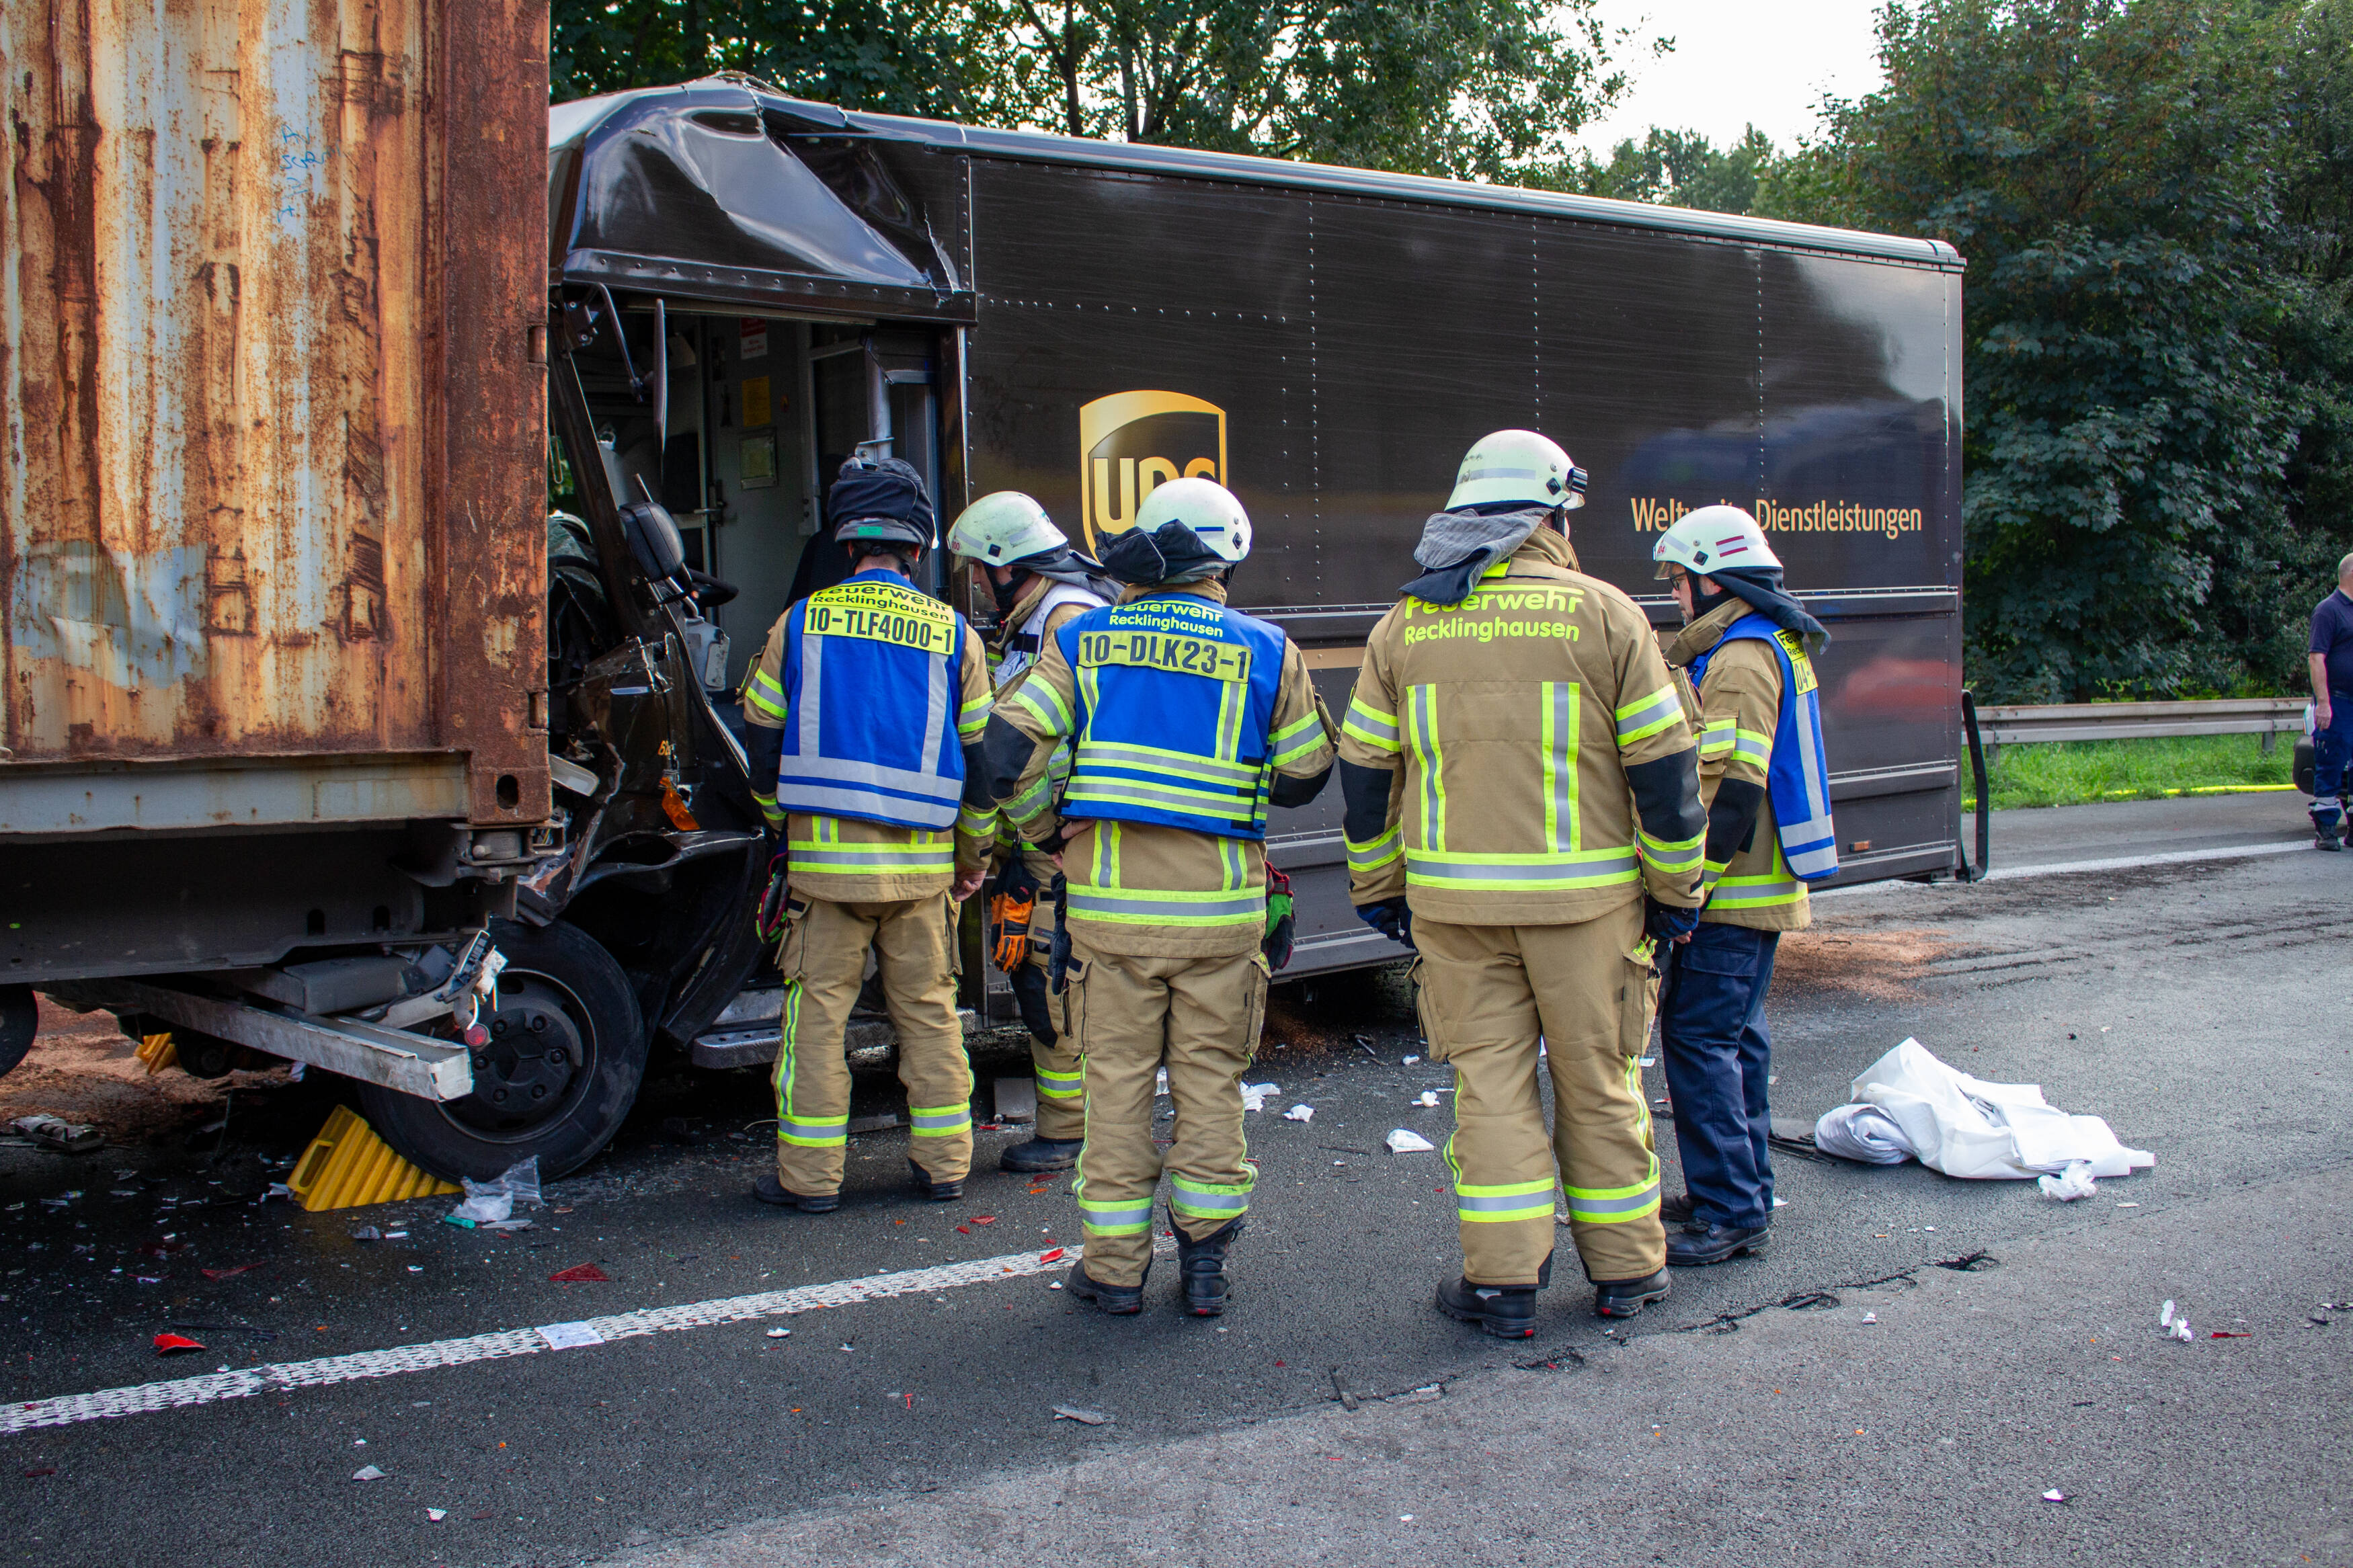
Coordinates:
[2074,772]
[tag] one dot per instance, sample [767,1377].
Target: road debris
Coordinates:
[436,1515]
[1083,1416]
[780,1333]
[368,1473]
[1965,1126]
[489,1202]
[2055,1495]
[177,1344]
[1411,1060]
[1404,1141]
[1871,1316]
[1427,1099]
[569,1336]
[581,1274]
[2075,1182]
[1300,1113]
[1254,1095]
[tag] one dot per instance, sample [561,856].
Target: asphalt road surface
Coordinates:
[1761,1416]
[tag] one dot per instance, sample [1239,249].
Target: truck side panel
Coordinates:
[270,433]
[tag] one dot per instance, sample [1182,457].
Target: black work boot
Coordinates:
[1202,1266]
[931,1191]
[1676,1210]
[1042,1154]
[1119,1300]
[1624,1298]
[768,1189]
[1506,1312]
[1701,1242]
[2325,836]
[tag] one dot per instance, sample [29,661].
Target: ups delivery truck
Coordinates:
[386,530]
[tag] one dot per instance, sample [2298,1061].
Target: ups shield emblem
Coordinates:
[1133,441]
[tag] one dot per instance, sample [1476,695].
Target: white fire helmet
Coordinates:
[1711,538]
[1206,508]
[1004,527]
[1517,466]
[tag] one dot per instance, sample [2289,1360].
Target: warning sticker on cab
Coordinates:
[1160,650]
[880,613]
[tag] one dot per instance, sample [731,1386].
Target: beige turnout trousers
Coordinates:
[824,962]
[1200,1016]
[1488,992]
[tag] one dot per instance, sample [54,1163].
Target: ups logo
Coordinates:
[1132,441]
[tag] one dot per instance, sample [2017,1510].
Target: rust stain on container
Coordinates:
[272,459]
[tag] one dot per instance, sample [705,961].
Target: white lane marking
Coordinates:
[139,1398]
[2123,863]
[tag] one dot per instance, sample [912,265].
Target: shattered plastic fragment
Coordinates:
[176,1344]
[581,1274]
[1300,1113]
[368,1473]
[1083,1416]
[780,1333]
[1871,1316]
[432,1515]
[2165,1314]
[2055,1495]
[1405,1142]
[1411,1060]
[1428,1097]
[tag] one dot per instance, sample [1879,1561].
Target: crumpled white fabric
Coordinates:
[1965,1126]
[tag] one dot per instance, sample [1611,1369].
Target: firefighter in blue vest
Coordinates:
[1744,664]
[859,715]
[1188,720]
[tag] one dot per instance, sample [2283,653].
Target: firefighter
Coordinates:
[1522,807]
[1744,662]
[858,714]
[1188,720]
[1042,585]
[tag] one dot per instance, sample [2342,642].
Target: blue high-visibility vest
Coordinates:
[1175,705]
[1796,777]
[871,690]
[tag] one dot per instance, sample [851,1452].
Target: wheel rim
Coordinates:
[535,1068]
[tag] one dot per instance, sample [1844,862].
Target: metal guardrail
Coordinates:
[2269,717]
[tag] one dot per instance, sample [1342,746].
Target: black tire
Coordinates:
[555,1079]
[20,1020]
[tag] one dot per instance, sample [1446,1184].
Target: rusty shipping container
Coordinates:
[271,364]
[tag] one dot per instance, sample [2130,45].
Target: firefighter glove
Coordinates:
[1668,922]
[1280,924]
[1392,918]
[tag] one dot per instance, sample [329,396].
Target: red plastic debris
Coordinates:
[176,1344]
[1037,1189]
[1278,1363]
[984,1220]
[228,1273]
[581,1274]
[964,1230]
[45,1470]
[1050,1256]
[2221,1335]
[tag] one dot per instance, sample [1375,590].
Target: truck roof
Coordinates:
[571,126]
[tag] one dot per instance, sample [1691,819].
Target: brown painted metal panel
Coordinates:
[271,438]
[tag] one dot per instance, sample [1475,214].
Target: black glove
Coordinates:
[1665,923]
[1392,918]
[1058,952]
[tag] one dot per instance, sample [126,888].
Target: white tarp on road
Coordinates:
[1908,1102]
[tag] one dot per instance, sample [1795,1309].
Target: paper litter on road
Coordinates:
[1254,1095]
[2055,1495]
[569,1336]
[2165,1314]
[1404,1141]
[1300,1113]
[368,1473]
[2075,1182]
[1965,1126]
[1411,1060]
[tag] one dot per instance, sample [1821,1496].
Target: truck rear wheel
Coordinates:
[556,1077]
[20,1020]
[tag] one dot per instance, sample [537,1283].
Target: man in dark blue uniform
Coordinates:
[2332,709]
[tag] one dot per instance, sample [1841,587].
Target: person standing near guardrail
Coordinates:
[1743,663]
[2331,662]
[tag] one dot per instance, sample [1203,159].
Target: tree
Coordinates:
[1473,88]
[1675,168]
[2118,176]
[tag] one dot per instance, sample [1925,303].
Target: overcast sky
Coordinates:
[1738,61]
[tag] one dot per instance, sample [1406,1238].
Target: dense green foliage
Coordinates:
[2152,199]
[1676,168]
[1473,88]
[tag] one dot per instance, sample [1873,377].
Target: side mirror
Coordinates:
[653,540]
